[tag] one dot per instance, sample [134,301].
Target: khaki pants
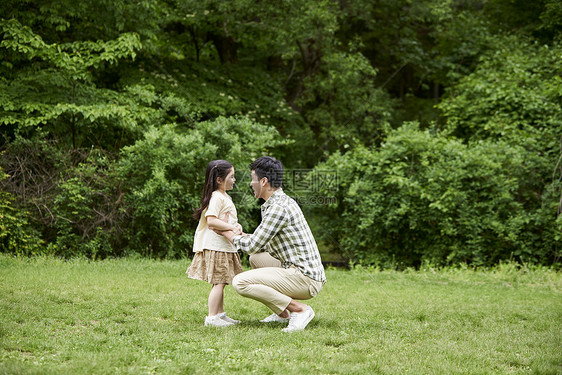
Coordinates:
[272,285]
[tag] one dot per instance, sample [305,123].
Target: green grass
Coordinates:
[143,317]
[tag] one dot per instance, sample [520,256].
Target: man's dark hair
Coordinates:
[270,168]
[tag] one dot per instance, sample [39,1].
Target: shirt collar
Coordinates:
[273,197]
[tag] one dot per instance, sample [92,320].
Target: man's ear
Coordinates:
[264,181]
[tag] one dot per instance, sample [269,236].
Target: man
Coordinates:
[284,255]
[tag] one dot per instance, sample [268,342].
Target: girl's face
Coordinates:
[228,182]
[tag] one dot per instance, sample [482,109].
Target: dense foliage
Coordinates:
[425,197]
[441,122]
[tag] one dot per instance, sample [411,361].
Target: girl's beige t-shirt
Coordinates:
[219,205]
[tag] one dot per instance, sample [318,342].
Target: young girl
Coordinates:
[216,259]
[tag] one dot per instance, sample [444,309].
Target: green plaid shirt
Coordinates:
[285,234]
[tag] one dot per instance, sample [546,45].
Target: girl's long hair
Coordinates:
[215,169]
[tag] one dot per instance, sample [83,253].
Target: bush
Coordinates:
[72,197]
[17,236]
[89,210]
[91,203]
[164,173]
[425,197]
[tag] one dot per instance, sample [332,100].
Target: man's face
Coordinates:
[256,185]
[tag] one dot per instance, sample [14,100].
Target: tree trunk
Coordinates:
[310,58]
[226,47]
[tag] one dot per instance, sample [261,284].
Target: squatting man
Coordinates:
[283,253]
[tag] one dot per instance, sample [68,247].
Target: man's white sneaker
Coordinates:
[216,321]
[298,321]
[274,318]
[228,319]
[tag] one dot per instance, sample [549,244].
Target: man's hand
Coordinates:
[238,229]
[226,233]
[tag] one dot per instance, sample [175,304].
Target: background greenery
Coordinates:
[441,119]
[140,316]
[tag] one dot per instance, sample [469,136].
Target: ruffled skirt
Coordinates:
[214,267]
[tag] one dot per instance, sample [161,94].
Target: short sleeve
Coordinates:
[215,205]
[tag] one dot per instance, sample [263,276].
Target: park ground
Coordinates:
[138,316]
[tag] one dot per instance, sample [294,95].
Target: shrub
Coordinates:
[73,197]
[164,173]
[426,197]
[17,236]
[89,210]
[91,203]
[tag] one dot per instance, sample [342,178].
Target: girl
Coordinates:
[216,259]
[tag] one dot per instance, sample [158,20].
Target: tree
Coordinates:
[50,87]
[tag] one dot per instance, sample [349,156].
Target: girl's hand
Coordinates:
[236,228]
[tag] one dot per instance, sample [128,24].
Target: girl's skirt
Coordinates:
[214,267]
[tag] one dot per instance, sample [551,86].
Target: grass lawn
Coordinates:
[135,316]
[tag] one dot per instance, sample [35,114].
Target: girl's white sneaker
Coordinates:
[228,319]
[216,321]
